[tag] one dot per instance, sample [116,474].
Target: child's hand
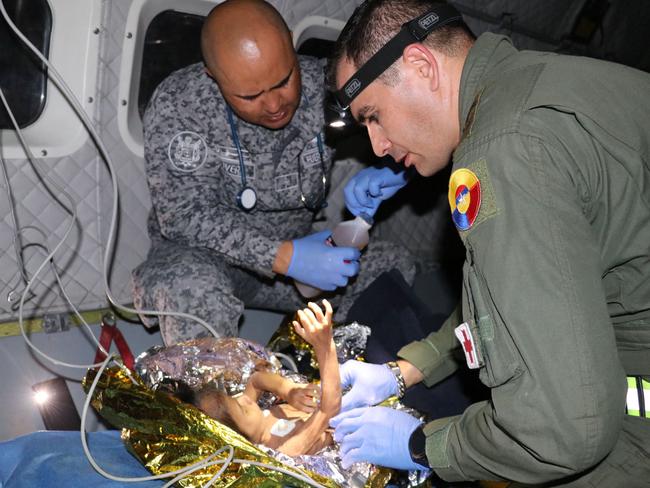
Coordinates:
[315,327]
[304,397]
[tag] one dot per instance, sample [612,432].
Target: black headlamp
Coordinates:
[414,30]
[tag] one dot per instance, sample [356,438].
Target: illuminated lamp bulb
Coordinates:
[41,397]
[337,124]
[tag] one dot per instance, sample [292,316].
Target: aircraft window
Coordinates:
[319,48]
[172,41]
[22,77]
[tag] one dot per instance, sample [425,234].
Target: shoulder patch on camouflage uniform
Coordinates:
[187,151]
[471,197]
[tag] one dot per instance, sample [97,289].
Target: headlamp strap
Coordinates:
[414,30]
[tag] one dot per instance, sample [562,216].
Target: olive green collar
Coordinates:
[488,50]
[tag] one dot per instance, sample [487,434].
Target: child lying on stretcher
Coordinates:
[299,426]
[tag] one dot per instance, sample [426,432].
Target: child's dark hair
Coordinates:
[196,397]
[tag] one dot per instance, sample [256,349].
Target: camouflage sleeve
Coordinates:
[187,200]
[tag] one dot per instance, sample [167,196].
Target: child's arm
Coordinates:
[316,328]
[301,396]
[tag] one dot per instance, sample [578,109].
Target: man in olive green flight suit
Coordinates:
[550,193]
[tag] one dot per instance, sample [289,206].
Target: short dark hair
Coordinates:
[195,397]
[375,22]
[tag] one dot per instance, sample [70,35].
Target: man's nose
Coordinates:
[380,144]
[272,102]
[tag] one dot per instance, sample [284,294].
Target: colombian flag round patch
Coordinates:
[464,198]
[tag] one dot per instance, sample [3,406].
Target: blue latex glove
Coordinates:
[370,186]
[371,384]
[378,435]
[320,265]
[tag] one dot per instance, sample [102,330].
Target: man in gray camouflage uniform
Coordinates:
[255,105]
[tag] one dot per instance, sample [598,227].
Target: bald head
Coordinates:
[247,49]
[245,29]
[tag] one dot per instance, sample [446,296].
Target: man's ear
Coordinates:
[423,63]
[207,72]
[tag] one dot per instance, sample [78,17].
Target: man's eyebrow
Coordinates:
[283,82]
[362,114]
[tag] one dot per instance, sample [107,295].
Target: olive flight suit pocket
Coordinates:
[498,361]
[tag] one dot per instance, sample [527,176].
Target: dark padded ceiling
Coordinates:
[616,30]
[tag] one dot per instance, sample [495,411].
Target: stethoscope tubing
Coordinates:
[234,134]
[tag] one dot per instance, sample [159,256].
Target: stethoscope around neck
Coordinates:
[247,196]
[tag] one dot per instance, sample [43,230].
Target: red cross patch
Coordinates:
[464,336]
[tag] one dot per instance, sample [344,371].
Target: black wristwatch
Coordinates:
[417,447]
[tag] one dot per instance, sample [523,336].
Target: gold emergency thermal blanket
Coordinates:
[166,434]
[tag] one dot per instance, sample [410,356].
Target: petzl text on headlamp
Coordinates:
[414,30]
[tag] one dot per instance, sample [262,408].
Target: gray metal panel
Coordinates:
[85,176]
[79,258]
[132,242]
[293,11]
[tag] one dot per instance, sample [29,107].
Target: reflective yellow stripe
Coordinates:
[638,391]
[36,325]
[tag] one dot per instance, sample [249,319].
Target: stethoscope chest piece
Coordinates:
[247,198]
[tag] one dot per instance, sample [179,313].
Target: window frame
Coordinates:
[32,73]
[58,132]
[140,15]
